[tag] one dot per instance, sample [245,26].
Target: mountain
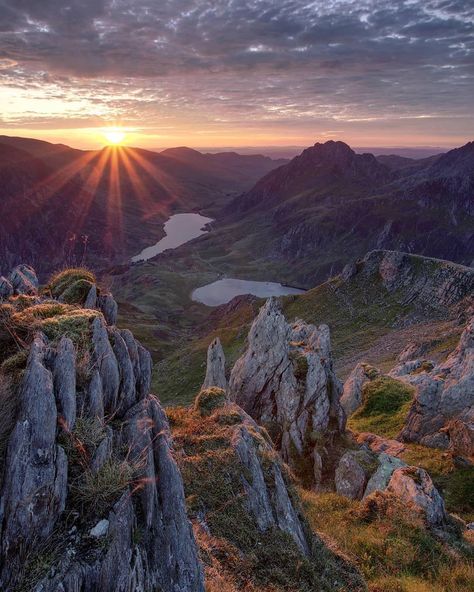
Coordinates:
[329,205]
[102,207]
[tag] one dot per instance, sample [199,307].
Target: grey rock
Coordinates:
[24,281]
[91,298]
[106,362]
[64,376]
[100,529]
[127,395]
[6,288]
[271,506]
[286,382]
[144,377]
[413,486]
[351,398]
[107,305]
[215,372]
[103,451]
[350,476]
[94,400]
[380,479]
[34,488]
[444,394]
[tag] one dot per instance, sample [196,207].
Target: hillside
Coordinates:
[104,206]
[374,309]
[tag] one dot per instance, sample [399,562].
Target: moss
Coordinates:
[210,399]
[15,365]
[385,405]
[64,280]
[77,292]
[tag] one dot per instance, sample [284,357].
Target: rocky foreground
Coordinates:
[97,495]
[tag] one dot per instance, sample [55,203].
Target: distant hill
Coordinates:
[329,205]
[59,205]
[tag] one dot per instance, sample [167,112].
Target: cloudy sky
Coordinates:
[239,72]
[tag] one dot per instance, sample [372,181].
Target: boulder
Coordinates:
[353,472]
[414,487]
[380,479]
[6,288]
[379,444]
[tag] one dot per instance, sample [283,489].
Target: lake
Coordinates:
[179,229]
[222,291]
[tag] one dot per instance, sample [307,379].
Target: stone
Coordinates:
[100,529]
[104,358]
[24,281]
[126,393]
[379,444]
[6,288]
[64,376]
[413,486]
[444,397]
[215,371]
[91,298]
[351,398]
[351,474]
[107,305]
[380,479]
[286,382]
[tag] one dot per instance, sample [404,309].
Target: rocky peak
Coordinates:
[89,454]
[286,382]
[215,370]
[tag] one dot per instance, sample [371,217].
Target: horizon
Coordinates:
[272,151]
[239,73]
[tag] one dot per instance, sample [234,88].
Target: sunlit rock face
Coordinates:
[88,458]
[442,414]
[286,382]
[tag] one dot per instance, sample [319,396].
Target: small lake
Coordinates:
[222,291]
[179,229]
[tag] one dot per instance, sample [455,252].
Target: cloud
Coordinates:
[240,61]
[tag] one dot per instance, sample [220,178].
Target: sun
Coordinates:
[114,136]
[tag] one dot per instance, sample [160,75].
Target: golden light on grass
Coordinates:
[114,136]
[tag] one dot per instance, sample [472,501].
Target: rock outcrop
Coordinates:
[351,398]
[89,458]
[215,371]
[442,414]
[286,382]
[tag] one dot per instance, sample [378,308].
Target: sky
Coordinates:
[213,73]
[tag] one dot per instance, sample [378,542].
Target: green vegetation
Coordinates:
[391,545]
[71,282]
[237,555]
[210,399]
[386,402]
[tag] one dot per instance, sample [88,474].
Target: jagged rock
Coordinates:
[285,381]
[379,444]
[103,451]
[35,484]
[353,472]
[146,368]
[269,508]
[215,372]
[106,362]
[443,394]
[380,479]
[169,542]
[64,375]
[24,281]
[94,401]
[91,298]
[107,305]
[413,486]
[127,394]
[351,398]
[100,529]
[461,437]
[6,288]
[411,351]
